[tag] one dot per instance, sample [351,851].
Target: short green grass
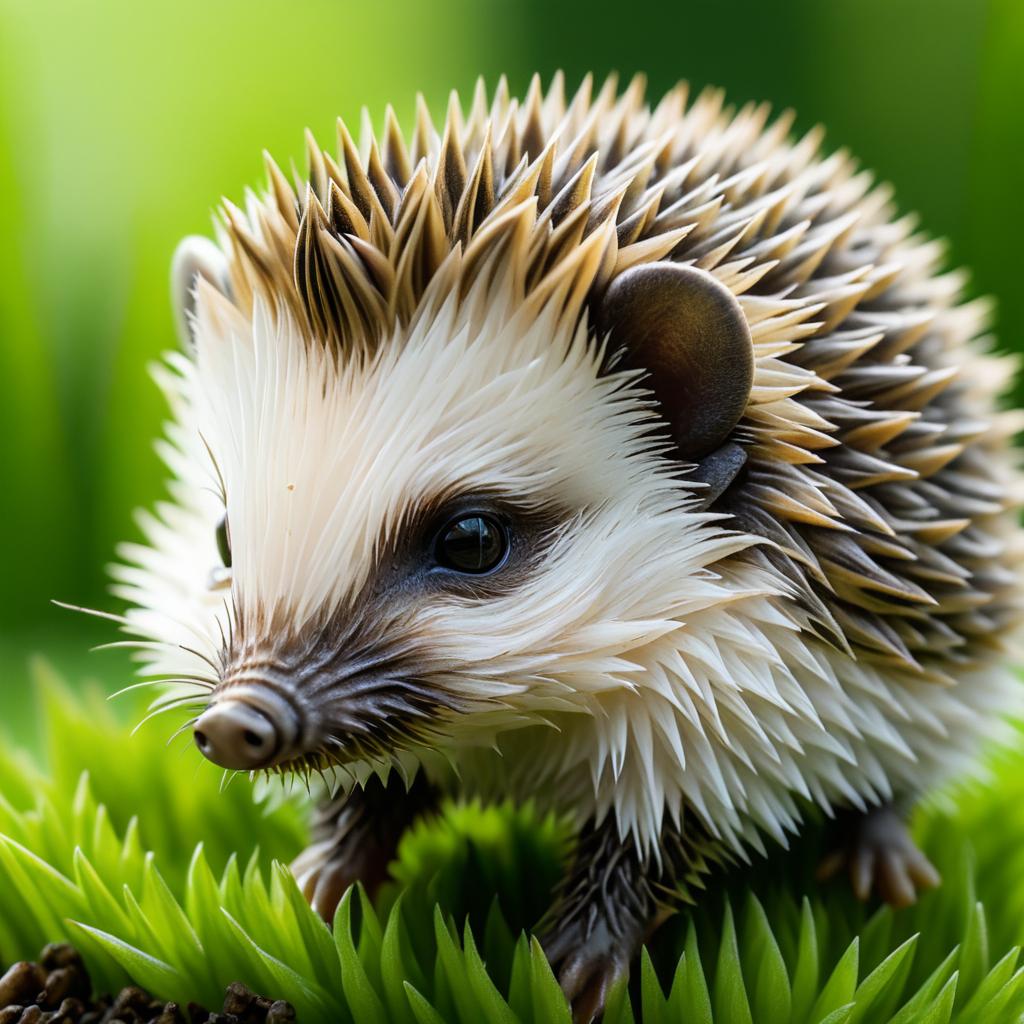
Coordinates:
[132,851]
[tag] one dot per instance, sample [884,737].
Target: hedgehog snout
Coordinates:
[245,729]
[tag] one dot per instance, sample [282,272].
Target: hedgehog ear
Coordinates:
[194,257]
[688,332]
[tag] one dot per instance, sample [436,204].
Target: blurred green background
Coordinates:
[121,125]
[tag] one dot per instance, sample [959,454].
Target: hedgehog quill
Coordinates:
[636,460]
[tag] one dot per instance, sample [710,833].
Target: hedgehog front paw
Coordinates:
[587,962]
[355,838]
[325,870]
[882,858]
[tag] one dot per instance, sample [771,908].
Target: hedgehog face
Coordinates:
[431,541]
[427,424]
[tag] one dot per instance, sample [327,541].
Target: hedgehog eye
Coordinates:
[473,543]
[224,542]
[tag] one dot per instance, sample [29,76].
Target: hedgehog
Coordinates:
[640,461]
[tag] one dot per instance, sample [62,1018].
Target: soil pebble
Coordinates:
[57,990]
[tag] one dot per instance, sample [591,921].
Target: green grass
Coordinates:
[132,851]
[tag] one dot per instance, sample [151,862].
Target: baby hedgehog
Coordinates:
[637,461]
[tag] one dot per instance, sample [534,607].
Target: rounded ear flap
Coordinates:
[689,333]
[194,257]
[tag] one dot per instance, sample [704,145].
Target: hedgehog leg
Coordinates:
[604,910]
[609,904]
[882,858]
[355,838]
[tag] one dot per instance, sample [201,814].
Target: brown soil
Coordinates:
[57,990]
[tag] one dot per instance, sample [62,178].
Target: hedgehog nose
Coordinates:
[235,735]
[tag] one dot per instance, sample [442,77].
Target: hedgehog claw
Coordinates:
[324,879]
[586,967]
[326,870]
[881,858]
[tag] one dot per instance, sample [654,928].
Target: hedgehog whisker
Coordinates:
[186,677]
[156,682]
[216,468]
[202,684]
[142,645]
[157,712]
[177,732]
[123,621]
[152,645]
[178,700]
[95,612]
[157,674]
[185,748]
[202,657]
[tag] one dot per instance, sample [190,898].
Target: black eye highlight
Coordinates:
[474,543]
[224,542]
